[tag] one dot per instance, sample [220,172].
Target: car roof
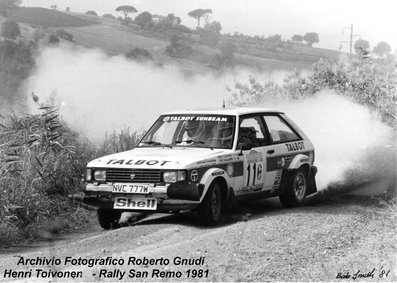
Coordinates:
[224,111]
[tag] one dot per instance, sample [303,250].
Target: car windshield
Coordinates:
[211,131]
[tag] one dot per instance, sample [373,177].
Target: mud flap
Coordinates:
[312,187]
[185,191]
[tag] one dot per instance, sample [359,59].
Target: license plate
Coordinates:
[130,188]
[133,203]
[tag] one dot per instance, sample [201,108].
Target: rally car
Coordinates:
[200,160]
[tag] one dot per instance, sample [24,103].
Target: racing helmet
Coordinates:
[194,129]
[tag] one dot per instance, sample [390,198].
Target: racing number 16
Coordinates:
[257,171]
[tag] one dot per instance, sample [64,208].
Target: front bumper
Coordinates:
[170,197]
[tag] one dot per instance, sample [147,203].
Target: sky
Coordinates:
[373,21]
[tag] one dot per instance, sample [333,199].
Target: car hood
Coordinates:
[159,158]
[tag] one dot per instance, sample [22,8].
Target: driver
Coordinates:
[195,131]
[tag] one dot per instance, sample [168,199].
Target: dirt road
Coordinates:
[342,237]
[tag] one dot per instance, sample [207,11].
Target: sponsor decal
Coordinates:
[217,173]
[197,118]
[141,204]
[252,188]
[230,169]
[137,162]
[194,176]
[281,162]
[293,146]
[277,180]
[305,160]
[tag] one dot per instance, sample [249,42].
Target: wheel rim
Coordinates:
[216,203]
[300,186]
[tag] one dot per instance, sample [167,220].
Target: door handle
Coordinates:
[271,151]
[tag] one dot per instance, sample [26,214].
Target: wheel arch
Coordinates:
[213,175]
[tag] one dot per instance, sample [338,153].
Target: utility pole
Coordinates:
[350,41]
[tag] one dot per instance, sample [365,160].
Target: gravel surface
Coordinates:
[263,242]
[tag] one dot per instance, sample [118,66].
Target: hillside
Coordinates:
[115,38]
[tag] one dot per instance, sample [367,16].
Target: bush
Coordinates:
[90,12]
[367,82]
[178,48]
[16,63]
[53,39]
[10,29]
[38,34]
[139,54]
[109,16]
[182,28]
[61,33]
[41,162]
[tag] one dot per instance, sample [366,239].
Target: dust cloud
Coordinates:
[98,93]
[352,145]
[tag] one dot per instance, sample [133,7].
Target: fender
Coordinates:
[210,175]
[298,161]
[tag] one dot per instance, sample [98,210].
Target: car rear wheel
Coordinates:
[108,218]
[295,193]
[210,211]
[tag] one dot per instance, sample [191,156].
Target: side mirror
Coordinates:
[244,144]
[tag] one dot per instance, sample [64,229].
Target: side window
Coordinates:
[279,130]
[252,132]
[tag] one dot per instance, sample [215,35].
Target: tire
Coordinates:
[108,218]
[209,212]
[296,191]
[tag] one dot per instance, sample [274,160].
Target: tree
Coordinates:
[9,6]
[311,37]
[198,14]
[383,48]
[213,26]
[297,38]
[172,20]
[143,19]
[90,12]
[360,45]
[10,29]
[109,16]
[126,10]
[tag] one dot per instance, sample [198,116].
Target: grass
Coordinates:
[49,18]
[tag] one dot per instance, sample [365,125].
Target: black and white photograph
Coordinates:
[198,141]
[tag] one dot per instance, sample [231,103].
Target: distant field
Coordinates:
[49,18]
[115,38]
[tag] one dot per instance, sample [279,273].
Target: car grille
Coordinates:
[140,175]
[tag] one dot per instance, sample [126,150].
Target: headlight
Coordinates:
[174,176]
[88,174]
[100,175]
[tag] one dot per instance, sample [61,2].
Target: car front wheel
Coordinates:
[295,193]
[210,211]
[108,218]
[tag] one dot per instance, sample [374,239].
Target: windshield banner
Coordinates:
[211,118]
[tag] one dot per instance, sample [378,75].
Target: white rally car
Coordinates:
[199,160]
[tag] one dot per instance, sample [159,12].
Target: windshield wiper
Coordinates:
[157,143]
[152,142]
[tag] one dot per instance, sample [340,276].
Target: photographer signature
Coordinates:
[383,273]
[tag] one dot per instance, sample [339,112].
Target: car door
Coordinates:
[278,157]
[252,141]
